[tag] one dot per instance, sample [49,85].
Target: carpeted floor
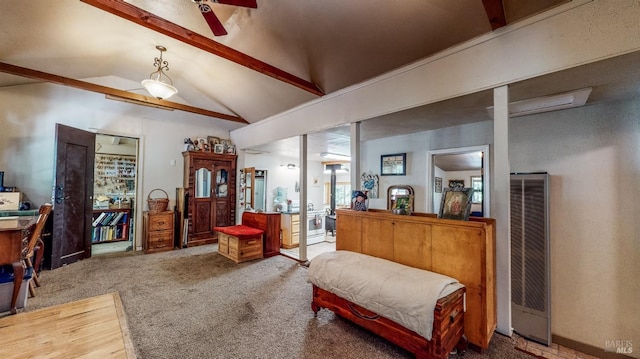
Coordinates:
[193,303]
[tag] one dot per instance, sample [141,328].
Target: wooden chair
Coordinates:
[34,238]
[39,249]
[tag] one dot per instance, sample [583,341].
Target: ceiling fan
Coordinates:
[212,19]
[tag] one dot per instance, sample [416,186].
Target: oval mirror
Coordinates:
[400,197]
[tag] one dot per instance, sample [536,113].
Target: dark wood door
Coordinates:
[73,195]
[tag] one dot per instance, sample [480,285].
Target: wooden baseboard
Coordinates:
[587,349]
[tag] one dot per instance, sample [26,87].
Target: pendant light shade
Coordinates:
[158,89]
[159,85]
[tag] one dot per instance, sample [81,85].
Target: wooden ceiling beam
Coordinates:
[153,22]
[495,12]
[124,95]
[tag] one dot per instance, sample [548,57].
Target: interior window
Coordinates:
[343,194]
[476,184]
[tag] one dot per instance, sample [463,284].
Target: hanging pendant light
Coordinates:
[159,85]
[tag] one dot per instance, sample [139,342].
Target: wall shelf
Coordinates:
[115,176]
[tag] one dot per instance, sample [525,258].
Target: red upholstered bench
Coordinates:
[240,243]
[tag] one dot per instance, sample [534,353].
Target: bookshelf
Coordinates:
[110,225]
[115,177]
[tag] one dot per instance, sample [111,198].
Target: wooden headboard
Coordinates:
[464,250]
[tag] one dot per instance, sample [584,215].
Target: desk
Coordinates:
[11,235]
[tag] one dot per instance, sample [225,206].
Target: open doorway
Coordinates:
[114,193]
[466,166]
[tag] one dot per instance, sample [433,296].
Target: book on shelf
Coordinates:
[99,219]
[110,225]
[108,233]
[110,218]
[125,230]
[116,218]
[95,235]
[125,218]
[107,218]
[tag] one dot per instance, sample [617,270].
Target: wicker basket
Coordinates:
[157,204]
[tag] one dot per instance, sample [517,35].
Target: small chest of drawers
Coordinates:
[158,232]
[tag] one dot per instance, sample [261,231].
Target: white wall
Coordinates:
[416,146]
[28,116]
[593,157]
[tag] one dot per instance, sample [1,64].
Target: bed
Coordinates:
[418,310]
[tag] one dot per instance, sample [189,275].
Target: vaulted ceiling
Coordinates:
[277,56]
[274,57]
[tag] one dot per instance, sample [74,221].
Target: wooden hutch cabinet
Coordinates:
[210,186]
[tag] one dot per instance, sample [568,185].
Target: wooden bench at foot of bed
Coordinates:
[448,323]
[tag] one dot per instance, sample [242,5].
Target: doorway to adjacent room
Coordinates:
[468,166]
[115,183]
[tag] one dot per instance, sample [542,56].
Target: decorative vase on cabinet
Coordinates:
[210,184]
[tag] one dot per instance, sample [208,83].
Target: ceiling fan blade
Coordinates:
[243,3]
[212,20]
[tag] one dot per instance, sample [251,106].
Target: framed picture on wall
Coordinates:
[456,203]
[393,165]
[438,185]
[456,183]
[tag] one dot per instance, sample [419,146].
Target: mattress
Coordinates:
[403,294]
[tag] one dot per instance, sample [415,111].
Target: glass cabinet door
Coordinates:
[223,212]
[222,176]
[203,183]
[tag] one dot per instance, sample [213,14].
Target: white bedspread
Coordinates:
[397,292]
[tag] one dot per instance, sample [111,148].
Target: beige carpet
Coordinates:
[193,303]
